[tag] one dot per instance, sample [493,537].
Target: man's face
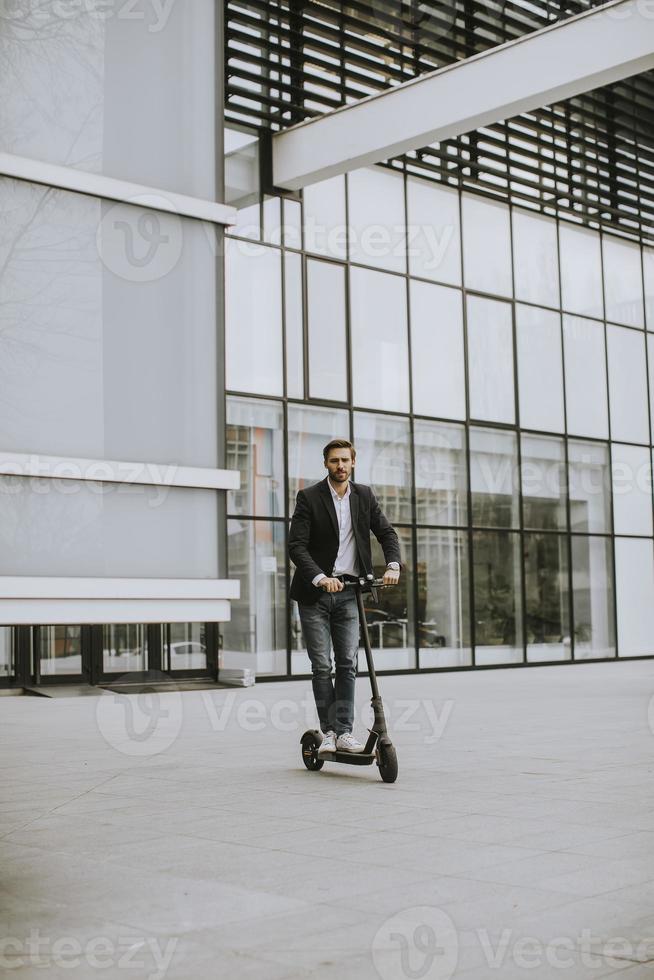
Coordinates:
[339,465]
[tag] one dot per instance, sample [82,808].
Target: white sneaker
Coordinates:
[328,743]
[348,743]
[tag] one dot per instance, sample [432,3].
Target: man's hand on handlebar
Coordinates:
[330,584]
[391,577]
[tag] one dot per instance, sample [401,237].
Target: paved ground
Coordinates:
[179,836]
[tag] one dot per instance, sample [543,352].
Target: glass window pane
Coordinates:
[540,369]
[255,636]
[627,385]
[543,483]
[581,271]
[434,243]
[83,527]
[324,218]
[377,224]
[632,489]
[585,377]
[292,224]
[443,598]
[248,222]
[634,583]
[648,275]
[104,352]
[590,486]
[592,582]
[383,462]
[486,245]
[623,282]
[59,650]
[437,351]
[535,258]
[294,331]
[255,447]
[124,647]
[184,646]
[390,619]
[490,360]
[127,91]
[7,651]
[242,170]
[380,357]
[547,596]
[309,430]
[441,473]
[494,479]
[326,326]
[497,597]
[253,328]
[272,220]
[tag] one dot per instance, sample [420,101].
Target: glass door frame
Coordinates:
[155,669]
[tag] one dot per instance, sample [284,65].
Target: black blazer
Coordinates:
[313,538]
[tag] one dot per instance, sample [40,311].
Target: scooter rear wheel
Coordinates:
[387,761]
[310,758]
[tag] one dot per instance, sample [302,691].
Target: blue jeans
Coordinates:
[334,618]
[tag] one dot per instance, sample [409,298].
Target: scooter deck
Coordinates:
[350,758]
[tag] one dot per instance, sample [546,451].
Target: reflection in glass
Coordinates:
[377,224]
[435,233]
[627,385]
[634,582]
[441,476]
[540,369]
[292,224]
[535,258]
[490,360]
[255,636]
[585,377]
[497,597]
[184,646]
[6,651]
[59,650]
[547,593]
[255,447]
[631,468]
[390,619]
[380,356]
[324,218]
[592,582]
[272,220]
[494,479]
[294,330]
[648,277]
[486,245]
[581,270]
[443,598]
[437,352]
[310,428]
[590,486]
[84,527]
[253,318]
[623,283]
[124,647]
[326,328]
[384,462]
[543,483]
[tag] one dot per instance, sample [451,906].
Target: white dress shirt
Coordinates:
[346,559]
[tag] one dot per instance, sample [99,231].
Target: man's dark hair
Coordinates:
[339,444]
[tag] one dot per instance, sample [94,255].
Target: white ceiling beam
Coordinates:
[595,48]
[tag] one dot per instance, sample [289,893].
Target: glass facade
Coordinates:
[500,418]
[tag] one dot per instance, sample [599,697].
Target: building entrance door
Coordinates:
[135,651]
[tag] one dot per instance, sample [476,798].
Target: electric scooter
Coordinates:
[378,747]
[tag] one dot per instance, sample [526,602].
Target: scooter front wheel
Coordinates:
[387,762]
[310,744]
